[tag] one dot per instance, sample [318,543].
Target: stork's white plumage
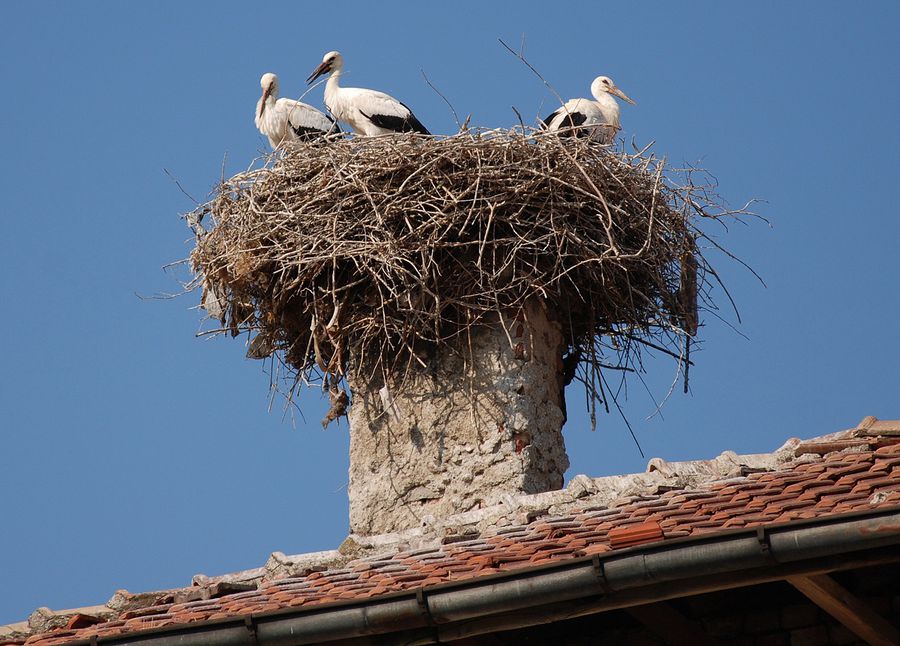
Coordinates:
[285,121]
[368,112]
[598,119]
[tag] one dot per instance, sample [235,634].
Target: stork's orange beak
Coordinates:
[323,68]
[619,93]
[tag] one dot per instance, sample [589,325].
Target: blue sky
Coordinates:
[134,455]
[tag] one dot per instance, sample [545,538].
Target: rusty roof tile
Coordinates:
[886,464]
[548,525]
[785,478]
[853,478]
[762,501]
[514,530]
[145,612]
[700,525]
[878,427]
[716,507]
[381,560]
[859,456]
[892,449]
[636,534]
[516,564]
[787,516]
[188,617]
[810,467]
[55,637]
[721,516]
[641,512]
[150,621]
[728,489]
[849,470]
[339,576]
[483,546]
[653,503]
[830,490]
[602,527]
[790,505]
[695,503]
[800,487]
[833,502]
[815,493]
[757,518]
[745,494]
[675,513]
[868,484]
[79,620]
[197,605]
[822,448]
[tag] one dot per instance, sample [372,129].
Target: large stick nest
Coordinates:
[397,245]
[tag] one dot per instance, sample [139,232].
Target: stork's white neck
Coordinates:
[609,107]
[331,88]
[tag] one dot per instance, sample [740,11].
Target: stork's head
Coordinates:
[605,85]
[269,85]
[331,62]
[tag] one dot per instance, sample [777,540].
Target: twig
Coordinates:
[447,101]
[180,187]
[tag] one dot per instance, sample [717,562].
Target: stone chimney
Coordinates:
[479,422]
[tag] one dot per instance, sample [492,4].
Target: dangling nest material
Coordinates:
[396,245]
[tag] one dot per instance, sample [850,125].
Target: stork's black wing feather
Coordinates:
[408,123]
[416,125]
[335,129]
[569,121]
[545,123]
[306,133]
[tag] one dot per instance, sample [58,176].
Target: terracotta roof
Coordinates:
[837,474]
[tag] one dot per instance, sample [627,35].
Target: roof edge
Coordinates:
[508,600]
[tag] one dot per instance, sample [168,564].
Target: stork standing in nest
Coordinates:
[597,119]
[368,112]
[287,122]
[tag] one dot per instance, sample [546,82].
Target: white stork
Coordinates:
[285,121]
[598,119]
[367,111]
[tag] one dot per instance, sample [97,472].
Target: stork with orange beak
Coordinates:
[287,122]
[598,119]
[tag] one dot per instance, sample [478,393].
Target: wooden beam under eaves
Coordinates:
[841,604]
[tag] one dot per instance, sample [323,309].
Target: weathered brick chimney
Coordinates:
[476,424]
